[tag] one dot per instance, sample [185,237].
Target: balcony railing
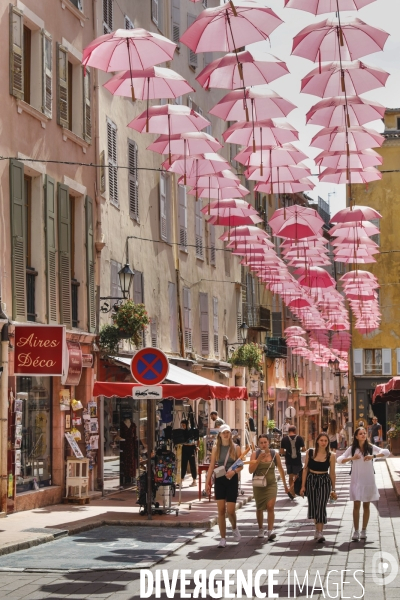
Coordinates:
[256,316]
[371,369]
[31,275]
[74,301]
[275,347]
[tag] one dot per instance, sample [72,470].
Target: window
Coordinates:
[376,238]
[192,55]
[107,16]
[64,254]
[165,207]
[398,123]
[128,23]
[87,110]
[176,21]
[133,180]
[74,281]
[31,273]
[78,4]
[112,162]
[239,319]
[187,319]
[204,327]
[373,361]
[47,95]
[63,113]
[182,217]
[115,288]
[213,257]
[215,325]
[157,13]
[138,298]
[277,324]
[199,229]
[27,64]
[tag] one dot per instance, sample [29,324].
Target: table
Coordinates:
[201,469]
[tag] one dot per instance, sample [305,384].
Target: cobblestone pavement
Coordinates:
[293,550]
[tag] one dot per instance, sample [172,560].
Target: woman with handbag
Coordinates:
[319,478]
[265,487]
[226,485]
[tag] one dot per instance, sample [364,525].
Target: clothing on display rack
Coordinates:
[128,460]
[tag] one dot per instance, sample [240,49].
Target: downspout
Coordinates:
[4,419]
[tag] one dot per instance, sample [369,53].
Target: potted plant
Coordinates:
[131,321]
[248,355]
[109,339]
[394,435]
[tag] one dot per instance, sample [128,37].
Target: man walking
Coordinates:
[292,446]
[214,416]
[376,432]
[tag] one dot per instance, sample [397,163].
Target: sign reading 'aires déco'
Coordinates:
[39,350]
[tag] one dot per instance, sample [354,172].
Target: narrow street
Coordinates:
[104,554]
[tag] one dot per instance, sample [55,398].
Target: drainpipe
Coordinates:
[4,419]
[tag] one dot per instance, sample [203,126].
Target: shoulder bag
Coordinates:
[260,481]
[221,471]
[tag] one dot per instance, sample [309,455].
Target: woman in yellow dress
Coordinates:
[263,462]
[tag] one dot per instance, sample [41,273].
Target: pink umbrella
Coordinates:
[238,191]
[218,207]
[319,7]
[359,252]
[148,84]
[356,228]
[343,79]
[350,240]
[242,233]
[355,275]
[275,156]
[331,112]
[316,277]
[293,187]
[168,119]
[293,330]
[296,340]
[193,142]
[355,160]
[334,139]
[277,174]
[264,105]
[197,164]
[231,70]
[298,303]
[341,176]
[356,213]
[230,26]
[359,261]
[224,178]
[309,215]
[265,133]
[233,220]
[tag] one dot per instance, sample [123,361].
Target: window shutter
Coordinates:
[115,288]
[176,21]
[102,172]
[153,332]
[18,247]
[215,325]
[182,217]
[154,11]
[138,296]
[199,229]
[128,23]
[212,246]
[62,86]
[64,254]
[192,55]
[16,53]
[277,324]
[133,180]
[164,207]
[227,262]
[51,251]
[87,109]
[386,361]
[173,316]
[187,319]
[107,16]
[358,365]
[238,324]
[112,161]
[47,70]
[91,286]
[204,328]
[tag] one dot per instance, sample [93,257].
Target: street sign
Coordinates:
[290,412]
[147,392]
[149,366]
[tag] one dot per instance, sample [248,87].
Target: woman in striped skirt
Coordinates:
[319,478]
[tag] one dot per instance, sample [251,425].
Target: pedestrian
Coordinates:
[226,484]
[286,425]
[333,435]
[251,428]
[189,448]
[292,446]
[214,416]
[218,423]
[362,483]
[324,428]
[319,480]
[343,437]
[376,432]
[262,464]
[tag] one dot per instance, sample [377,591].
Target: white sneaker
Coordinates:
[222,543]
[316,534]
[270,535]
[236,535]
[356,535]
[320,537]
[260,533]
[363,534]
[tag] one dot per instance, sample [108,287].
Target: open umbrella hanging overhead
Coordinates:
[286,187]
[193,142]
[344,176]
[331,112]
[265,132]
[353,160]
[222,193]
[319,7]
[335,139]
[263,105]
[343,79]
[149,84]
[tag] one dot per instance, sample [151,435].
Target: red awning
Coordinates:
[387,391]
[191,392]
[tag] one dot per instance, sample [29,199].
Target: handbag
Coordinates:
[221,471]
[260,481]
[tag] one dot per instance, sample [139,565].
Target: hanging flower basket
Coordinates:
[248,355]
[109,339]
[131,320]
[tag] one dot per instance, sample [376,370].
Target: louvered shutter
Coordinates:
[199,229]
[64,254]
[107,16]
[115,288]
[182,217]
[91,289]
[18,243]
[138,297]
[16,53]
[133,180]
[62,86]
[51,250]
[386,361]
[358,363]
[154,11]
[187,319]
[102,174]
[192,55]
[47,71]
[163,208]
[173,316]
[212,246]
[87,107]
[128,23]
[153,332]
[112,161]
[239,321]
[215,325]
[204,326]
[176,21]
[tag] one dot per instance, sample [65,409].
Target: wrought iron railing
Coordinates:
[275,347]
[256,316]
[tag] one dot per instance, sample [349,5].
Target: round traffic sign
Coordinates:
[149,366]
[290,412]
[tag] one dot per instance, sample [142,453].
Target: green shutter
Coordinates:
[18,243]
[90,266]
[64,254]
[51,251]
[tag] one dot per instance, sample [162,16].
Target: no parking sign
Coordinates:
[149,366]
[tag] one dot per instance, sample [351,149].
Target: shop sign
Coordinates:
[149,392]
[39,350]
[87,360]
[73,367]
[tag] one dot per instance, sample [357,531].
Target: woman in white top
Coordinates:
[362,485]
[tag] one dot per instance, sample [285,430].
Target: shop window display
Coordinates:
[33,470]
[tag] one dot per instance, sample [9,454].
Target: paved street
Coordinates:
[294,549]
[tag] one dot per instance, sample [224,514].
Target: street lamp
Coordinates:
[334,366]
[342,391]
[244,332]
[125,279]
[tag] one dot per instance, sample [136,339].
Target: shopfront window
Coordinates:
[35,455]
